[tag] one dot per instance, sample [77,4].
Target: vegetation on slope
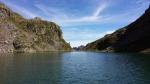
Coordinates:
[28,35]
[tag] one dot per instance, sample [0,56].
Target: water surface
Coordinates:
[74,68]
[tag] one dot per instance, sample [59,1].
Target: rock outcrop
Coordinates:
[132,38]
[18,34]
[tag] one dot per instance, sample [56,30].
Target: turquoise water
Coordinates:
[74,68]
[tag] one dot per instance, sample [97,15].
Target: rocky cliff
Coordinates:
[132,38]
[18,34]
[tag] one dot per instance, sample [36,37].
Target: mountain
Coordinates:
[132,38]
[78,48]
[18,34]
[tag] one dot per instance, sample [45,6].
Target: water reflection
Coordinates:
[74,68]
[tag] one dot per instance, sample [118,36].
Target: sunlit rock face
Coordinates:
[18,34]
[132,38]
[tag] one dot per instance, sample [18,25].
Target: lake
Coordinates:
[74,68]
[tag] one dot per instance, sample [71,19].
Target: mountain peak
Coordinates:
[18,34]
[4,11]
[148,10]
[37,18]
[133,38]
[3,6]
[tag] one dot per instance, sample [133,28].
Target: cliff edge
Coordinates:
[18,34]
[132,38]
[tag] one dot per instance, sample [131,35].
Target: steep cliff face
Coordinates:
[133,38]
[23,35]
[137,35]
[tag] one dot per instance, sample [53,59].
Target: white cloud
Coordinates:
[51,12]
[26,13]
[142,2]
[64,18]
[79,43]
[78,37]
[94,17]
[99,10]
[98,18]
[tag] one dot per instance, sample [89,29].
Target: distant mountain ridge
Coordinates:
[132,38]
[23,35]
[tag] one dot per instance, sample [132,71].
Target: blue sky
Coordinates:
[82,21]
